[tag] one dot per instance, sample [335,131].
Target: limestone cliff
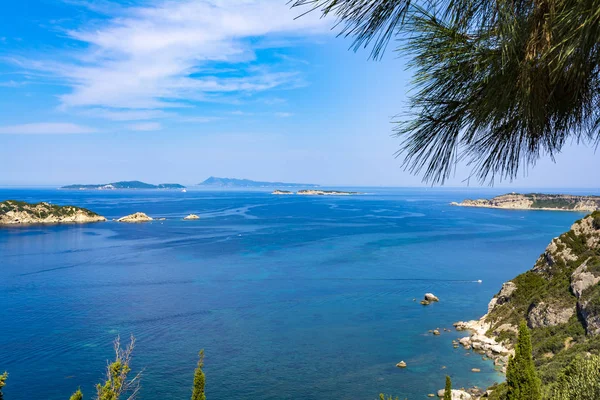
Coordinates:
[13,212]
[559,298]
[537,201]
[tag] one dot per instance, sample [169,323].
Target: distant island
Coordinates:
[310,192]
[13,212]
[247,183]
[537,201]
[124,185]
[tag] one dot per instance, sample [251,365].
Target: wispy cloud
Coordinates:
[167,54]
[145,127]
[283,114]
[45,128]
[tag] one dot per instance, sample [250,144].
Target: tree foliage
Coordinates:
[579,381]
[448,389]
[3,379]
[497,84]
[117,382]
[521,377]
[78,395]
[199,379]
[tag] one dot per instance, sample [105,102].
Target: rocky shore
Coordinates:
[136,217]
[14,212]
[559,298]
[536,201]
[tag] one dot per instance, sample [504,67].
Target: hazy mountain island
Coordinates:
[247,183]
[309,192]
[537,201]
[560,300]
[14,212]
[124,185]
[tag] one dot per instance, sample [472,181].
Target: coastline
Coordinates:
[456,204]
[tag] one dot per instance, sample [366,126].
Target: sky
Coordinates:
[96,91]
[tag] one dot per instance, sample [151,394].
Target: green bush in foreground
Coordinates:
[3,378]
[521,377]
[579,381]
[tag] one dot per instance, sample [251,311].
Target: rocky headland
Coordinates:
[536,201]
[136,217]
[560,300]
[13,212]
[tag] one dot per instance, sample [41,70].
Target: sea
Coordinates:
[291,297]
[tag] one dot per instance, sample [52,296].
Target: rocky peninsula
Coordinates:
[124,185]
[13,212]
[560,300]
[136,217]
[536,201]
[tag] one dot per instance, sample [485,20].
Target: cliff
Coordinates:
[559,298]
[537,201]
[19,212]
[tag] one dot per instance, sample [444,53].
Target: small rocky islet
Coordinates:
[13,212]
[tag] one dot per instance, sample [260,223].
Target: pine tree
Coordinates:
[117,382]
[199,379]
[448,389]
[77,395]
[497,84]
[3,379]
[521,377]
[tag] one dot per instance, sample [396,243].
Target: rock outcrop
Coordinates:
[191,217]
[13,212]
[431,297]
[536,201]
[137,217]
[456,394]
[559,298]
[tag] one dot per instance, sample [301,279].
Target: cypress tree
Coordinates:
[448,389]
[3,379]
[77,395]
[521,378]
[199,379]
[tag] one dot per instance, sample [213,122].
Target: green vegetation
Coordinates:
[384,397]
[596,221]
[199,379]
[78,395]
[3,379]
[117,382]
[521,378]
[42,210]
[579,381]
[448,389]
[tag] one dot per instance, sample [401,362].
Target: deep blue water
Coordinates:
[291,297]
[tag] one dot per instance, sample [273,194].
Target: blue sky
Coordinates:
[94,91]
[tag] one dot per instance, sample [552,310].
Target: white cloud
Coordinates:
[45,128]
[283,114]
[125,115]
[145,127]
[164,55]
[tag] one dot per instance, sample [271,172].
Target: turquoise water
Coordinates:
[291,297]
